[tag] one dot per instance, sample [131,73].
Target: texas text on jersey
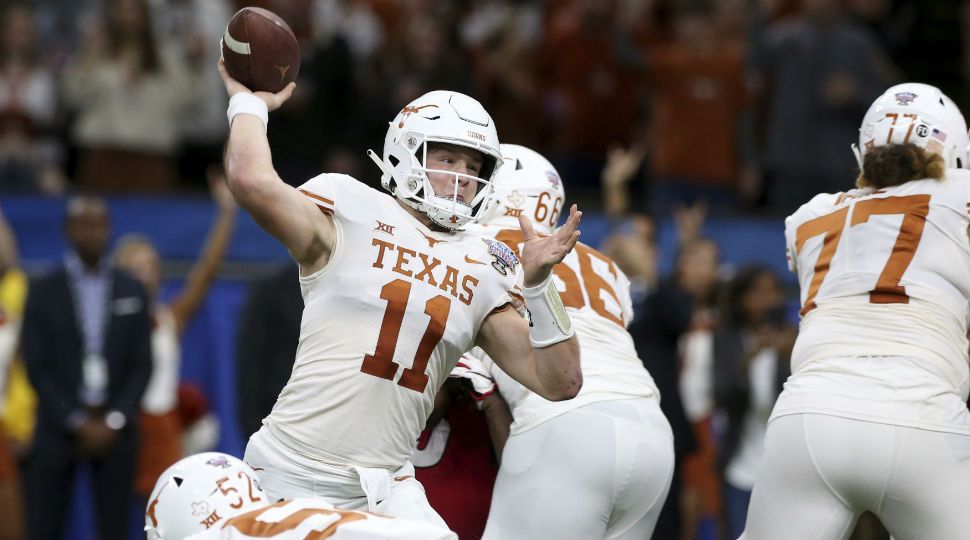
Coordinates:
[384,323]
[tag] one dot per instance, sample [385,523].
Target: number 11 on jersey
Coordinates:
[381,363]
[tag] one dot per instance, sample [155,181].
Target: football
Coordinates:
[260,50]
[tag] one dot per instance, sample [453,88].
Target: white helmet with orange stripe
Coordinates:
[526,185]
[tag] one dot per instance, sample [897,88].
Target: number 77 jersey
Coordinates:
[886,273]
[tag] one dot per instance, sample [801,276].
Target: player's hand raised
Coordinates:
[541,253]
[273,101]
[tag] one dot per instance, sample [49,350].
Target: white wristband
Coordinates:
[549,323]
[246,103]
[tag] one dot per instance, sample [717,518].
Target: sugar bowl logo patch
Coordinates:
[505,258]
[220,461]
[553,178]
[905,98]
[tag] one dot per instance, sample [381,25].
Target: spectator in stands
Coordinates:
[13,287]
[631,245]
[130,93]
[697,96]
[819,71]
[752,350]
[30,156]
[503,37]
[18,401]
[669,310]
[158,422]
[87,349]
[624,181]
[269,331]
[325,106]
[190,27]
[913,30]
[697,269]
[664,309]
[590,96]
[426,55]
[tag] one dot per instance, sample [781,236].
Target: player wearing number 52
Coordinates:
[214,496]
[612,481]
[874,416]
[395,290]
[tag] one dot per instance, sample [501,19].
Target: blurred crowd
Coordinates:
[749,105]
[650,109]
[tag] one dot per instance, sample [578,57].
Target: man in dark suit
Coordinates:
[86,346]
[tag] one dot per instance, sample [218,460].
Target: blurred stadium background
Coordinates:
[703,119]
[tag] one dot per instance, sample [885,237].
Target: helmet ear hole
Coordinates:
[177,480]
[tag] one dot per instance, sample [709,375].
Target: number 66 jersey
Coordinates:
[384,323]
[885,294]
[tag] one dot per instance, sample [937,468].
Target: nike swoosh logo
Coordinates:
[472,261]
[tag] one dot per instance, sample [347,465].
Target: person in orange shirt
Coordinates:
[698,97]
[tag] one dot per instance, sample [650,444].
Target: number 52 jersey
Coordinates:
[884,273]
[383,325]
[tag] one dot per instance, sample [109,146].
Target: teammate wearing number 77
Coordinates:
[395,291]
[874,416]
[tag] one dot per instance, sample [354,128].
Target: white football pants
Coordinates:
[599,471]
[284,474]
[821,472]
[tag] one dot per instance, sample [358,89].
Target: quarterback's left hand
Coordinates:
[541,253]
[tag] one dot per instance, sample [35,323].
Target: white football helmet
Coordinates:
[198,492]
[920,114]
[444,117]
[527,184]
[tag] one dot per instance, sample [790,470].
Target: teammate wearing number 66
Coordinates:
[395,290]
[874,416]
[611,482]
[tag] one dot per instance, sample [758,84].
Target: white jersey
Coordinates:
[885,290]
[162,393]
[596,294]
[299,519]
[384,323]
